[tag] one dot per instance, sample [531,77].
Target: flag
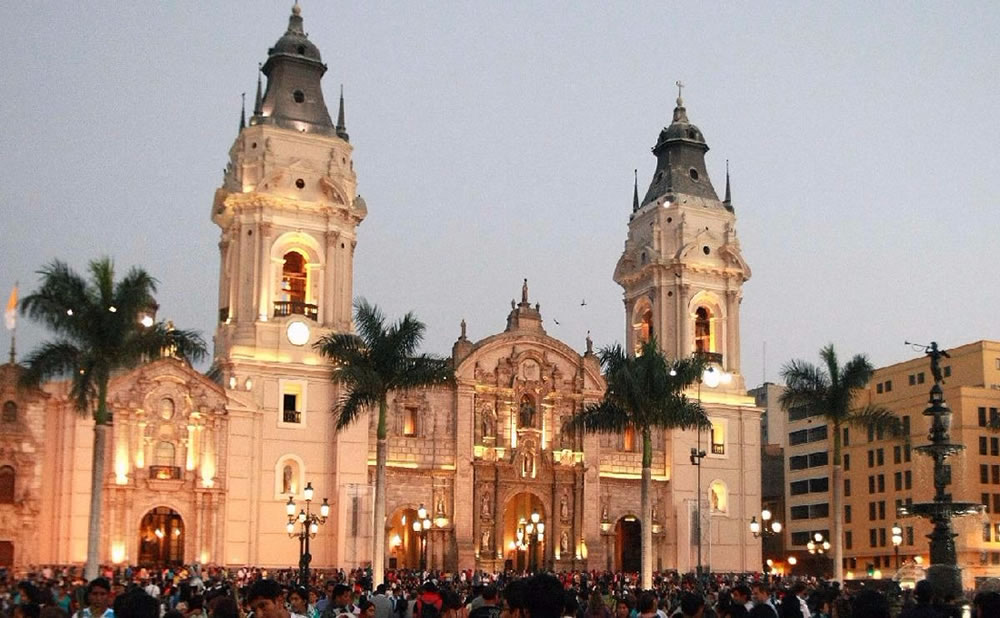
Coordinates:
[10,314]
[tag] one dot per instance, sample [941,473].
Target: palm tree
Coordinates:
[644,393]
[830,391]
[102,327]
[380,359]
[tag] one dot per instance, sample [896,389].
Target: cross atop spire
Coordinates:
[680,89]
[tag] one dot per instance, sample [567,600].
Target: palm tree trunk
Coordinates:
[378,551]
[646,505]
[838,508]
[101,424]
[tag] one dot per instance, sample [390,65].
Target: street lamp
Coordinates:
[421,526]
[530,533]
[310,526]
[764,527]
[818,545]
[897,540]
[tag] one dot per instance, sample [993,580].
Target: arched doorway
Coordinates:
[628,545]
[161,537]
[402,541]
[524,532]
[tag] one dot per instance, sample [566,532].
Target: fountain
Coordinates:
[944,574]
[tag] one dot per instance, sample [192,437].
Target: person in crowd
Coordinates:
[429,604]
[762,607]
[987,604]
[545,596]
[264,597]
[98,600]
[383,604]
[692,605]
[489,604]
[623,607]
[340,602]
[136,604]
[515,602]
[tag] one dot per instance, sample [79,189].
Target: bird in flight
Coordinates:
[583,303]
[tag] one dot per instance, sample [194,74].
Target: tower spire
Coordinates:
[258,103]
[729,196]
[635,192]
[243,110]
[341,125]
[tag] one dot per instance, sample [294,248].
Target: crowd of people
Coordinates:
[258,593]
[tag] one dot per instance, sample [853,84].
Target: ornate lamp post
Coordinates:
[535,531]
[310,526]
[764,527]
[421,526]
[897,540]
[817,544]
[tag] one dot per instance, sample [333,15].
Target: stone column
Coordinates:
[462,519]
[264,271]
[328,315]
[732,359]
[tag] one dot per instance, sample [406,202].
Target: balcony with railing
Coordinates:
[165,473]
[718,449]
[285,308]
[710,357]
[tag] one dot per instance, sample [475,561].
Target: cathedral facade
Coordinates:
[481,473]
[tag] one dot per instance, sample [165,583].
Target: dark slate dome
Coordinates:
[680,128]
[294,42]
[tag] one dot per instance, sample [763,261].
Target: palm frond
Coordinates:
[829,356]
[806,386]
[879,419]
[51,359]
[856,373]
[602,417]
[369,322]
[424,370]
[352,405]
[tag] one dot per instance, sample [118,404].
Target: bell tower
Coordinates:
[682,272]
[288,212]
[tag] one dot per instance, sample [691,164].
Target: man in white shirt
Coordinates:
[98,600]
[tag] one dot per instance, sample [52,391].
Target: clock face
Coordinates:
[298,332]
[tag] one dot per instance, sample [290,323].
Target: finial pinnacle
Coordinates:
[243,110]
[635,191]
[296,9]
[680,92]
[729,196]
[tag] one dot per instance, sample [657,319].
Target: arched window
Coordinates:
[718,497]
[293,277]
[6,485]
[702,330]
[642,329]
[165,454]
[10,412]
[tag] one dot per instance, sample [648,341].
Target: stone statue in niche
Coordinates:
[528,460]
[526,414]
[484,510]
[656,515]
[604,512]
[485,543]
[564,542]
[564,507]
[714,497]
[439,510]
[489,422]
[286,480]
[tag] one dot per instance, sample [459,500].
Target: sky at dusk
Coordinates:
[497,140]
